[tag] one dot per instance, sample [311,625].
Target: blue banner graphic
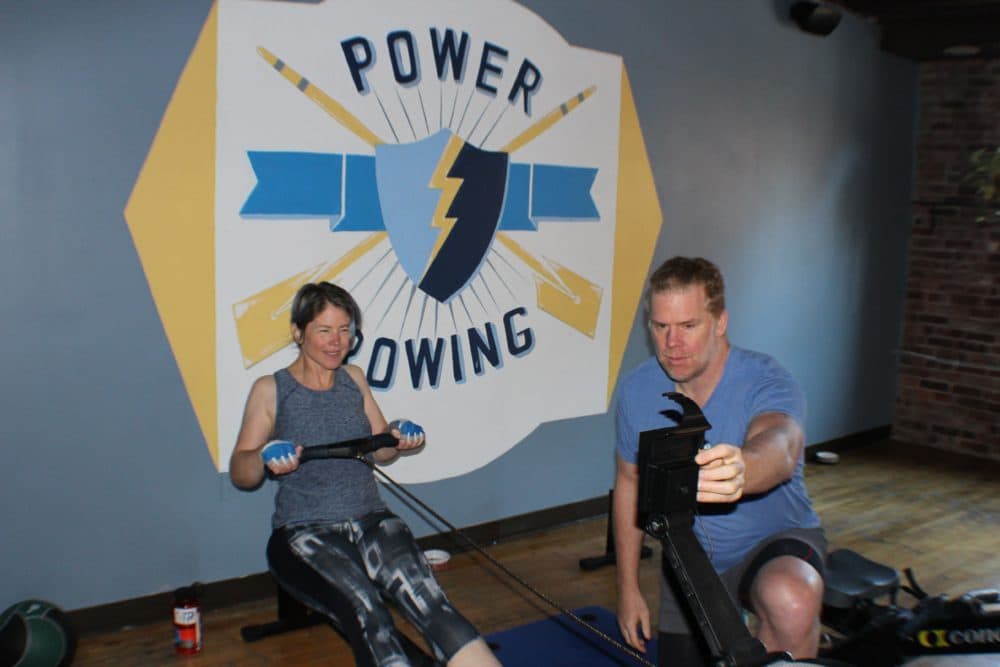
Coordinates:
[343,188]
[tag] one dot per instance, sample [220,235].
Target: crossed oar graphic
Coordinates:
[262,319]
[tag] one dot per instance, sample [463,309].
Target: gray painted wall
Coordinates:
[785,157]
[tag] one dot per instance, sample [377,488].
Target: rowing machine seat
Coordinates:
[851,578]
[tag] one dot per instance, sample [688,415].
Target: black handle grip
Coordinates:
[348,449]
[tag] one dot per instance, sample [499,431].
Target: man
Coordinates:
[760,532]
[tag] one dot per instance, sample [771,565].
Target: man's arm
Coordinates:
[771,450]
[633,612]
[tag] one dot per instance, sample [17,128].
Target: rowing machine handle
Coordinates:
[348,449]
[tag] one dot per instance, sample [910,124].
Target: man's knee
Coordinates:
[787,591]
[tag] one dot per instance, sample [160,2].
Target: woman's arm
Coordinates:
[377,420]
[246,468]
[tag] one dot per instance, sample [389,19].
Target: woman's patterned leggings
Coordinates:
[344,570]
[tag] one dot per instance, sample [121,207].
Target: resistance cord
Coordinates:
[472,543]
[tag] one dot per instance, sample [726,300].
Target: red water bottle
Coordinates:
[187,620]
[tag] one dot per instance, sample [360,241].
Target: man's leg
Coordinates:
[676,645]
[781,581]
[787,597]
[678,650]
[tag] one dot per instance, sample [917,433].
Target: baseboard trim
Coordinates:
[843,443]
[254,587]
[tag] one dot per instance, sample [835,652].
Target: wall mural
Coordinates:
[477,183]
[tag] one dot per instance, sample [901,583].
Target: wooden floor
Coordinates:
[904,506]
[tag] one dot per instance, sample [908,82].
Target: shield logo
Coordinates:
[441,200]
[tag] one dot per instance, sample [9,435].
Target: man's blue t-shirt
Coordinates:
[752,383]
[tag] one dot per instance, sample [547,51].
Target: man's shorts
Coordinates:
[809,544]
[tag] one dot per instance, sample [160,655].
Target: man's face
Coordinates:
[687,337]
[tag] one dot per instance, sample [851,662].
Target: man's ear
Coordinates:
[722,323]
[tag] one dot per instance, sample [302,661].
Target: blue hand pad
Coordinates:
[280,451]
[408,429]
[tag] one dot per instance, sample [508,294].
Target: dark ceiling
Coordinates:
[925,30]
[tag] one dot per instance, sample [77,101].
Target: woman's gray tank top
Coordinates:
[323,489]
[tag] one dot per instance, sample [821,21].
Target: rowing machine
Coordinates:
[866,631]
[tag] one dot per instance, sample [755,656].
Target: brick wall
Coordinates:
[949,374]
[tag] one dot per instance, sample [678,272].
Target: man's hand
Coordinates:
[721,475]
[633,619]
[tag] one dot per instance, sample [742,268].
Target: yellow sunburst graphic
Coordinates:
[171,216]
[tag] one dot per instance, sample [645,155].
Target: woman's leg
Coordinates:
[396,564]
[474,654]
[320,566]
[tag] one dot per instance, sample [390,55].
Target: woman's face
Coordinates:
[327,339]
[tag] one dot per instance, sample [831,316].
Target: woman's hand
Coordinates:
[409,434]
[281,456]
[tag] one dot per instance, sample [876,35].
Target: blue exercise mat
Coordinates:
[559,641]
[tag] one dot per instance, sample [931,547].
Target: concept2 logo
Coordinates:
[960,640]
[480,186]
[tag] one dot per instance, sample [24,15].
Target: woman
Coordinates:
[335,545]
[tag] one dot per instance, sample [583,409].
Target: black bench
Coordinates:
[294,615]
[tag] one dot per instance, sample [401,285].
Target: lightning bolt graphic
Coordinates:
[561,292]
[449,187]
